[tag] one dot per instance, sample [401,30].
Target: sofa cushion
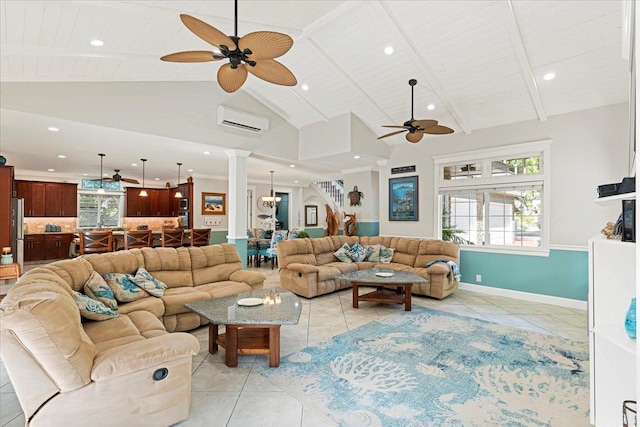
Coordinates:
[343,267]
[149,283]
[225,288]
[343,254]
[431,250]
[75,273]
[97,289]
[123,287]
[214,263]
[328,272]
[93,309]
[116,262]
[172,266]
[296,251]
[154,306]
[175,298]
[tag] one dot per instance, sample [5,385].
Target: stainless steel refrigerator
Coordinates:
[17,231]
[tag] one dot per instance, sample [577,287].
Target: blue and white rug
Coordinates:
[432,368]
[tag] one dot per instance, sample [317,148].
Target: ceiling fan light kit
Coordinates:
[253,53]
[417,128]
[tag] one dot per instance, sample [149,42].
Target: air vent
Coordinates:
[240,120]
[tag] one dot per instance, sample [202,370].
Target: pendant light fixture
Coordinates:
[178,193]
[143,193]
[101,189]
[270,200]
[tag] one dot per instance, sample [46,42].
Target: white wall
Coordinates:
[209,186]
[589,148]
[325,138]
[367,183]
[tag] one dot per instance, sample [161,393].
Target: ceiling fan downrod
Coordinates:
[236,56]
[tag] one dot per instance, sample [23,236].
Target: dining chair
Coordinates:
[172,238]
[200,236]
[92,242]
[137,239]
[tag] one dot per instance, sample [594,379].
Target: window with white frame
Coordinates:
[99,210]
[495,198]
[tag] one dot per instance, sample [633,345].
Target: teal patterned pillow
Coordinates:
[96,288]
[372,253]
[343,254]
[357,252]
[123,287]
[386,254]
[149,283]
[92,309]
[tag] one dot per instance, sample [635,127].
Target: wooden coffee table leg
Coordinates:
[213,336]
[274,346]
[407,298]
[231,346]
[355,294]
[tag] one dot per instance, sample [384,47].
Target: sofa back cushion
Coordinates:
[40,311]
[214,263]
[172,266]
[431,250]
[296,251]
[75,272]
[126,262]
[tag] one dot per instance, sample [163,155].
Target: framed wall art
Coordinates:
[310,215]
[403,199]
[214,204]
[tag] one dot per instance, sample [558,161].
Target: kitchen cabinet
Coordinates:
[156,204]
[6,193]
[136,205]
[56,246]
[48,199]
[159,202]
[33,247]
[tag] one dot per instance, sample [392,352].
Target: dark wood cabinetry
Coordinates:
[48,199]
[158,203]
[39,247]
[6,193]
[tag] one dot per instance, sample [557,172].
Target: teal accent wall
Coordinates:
[283,210]
[368,229]
[219,236]
[241,245]
[315,232]
[562,274]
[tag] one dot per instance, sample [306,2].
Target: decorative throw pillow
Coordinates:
[92,309]
[96,288]
[343,254]
[386,254]
[149,283]
[123,287]
[372,253]
[262,234]
[357,252]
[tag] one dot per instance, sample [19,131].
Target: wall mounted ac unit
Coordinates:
[240,120]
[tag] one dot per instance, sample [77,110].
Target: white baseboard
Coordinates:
[527,296]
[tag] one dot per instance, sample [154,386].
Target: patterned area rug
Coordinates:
[432,368]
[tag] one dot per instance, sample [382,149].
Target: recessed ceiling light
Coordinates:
[388,50]
[549,76]
[305,86]
[106,175]
[157,179]
[134,164]
[85,174]
[97,42]
[207,152]
[51,170]
[53,129]
[296,181]
[292,166]
[431,107]
[62,156]
[189,170]
[356,157]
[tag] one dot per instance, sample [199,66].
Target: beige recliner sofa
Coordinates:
[125,371]
[308,267]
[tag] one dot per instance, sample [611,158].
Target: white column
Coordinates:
[237,200]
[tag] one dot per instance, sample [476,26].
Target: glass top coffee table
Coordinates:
[252,320]
[382,279]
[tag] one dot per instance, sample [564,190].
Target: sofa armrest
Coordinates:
[439,268]
[249,277]
[143,354]
[302,268]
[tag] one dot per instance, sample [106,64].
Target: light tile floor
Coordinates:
[223,396]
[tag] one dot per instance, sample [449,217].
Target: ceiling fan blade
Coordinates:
[272,71]
[206,32]
[232,79]
[104,179]
[130,180]
[265,44]
[424,123]
[192,56]
[392,133]
[438,130]
[414,137]
[398,127]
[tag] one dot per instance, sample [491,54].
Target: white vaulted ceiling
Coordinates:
[480,63]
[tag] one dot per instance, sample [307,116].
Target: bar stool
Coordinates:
[137,239]
[172,238]
[200,236]
[92,242]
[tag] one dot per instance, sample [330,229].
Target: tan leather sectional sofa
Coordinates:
[308,267]
[129,370]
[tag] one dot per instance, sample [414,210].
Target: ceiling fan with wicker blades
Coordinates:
[417,128]
[253,53]
[117,177]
